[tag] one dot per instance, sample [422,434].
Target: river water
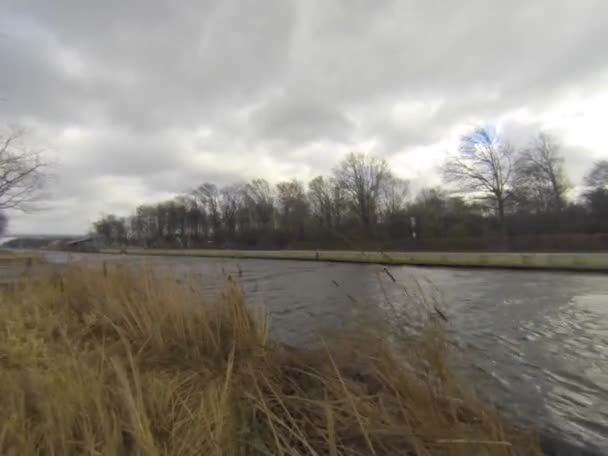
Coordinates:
[538,340]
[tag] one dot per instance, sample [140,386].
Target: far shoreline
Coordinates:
[576,262]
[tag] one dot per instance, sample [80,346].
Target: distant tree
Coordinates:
[162,222]
[208,197]
[22,171]
[441,215]
[179,213]
[432,199]
[147,223]
[112,229]
[320,195]
[195,220]
[483,168]
[598,176]
[135,232]
[430,207]
[596,195]
[361,177]
[393,203]
[3,223]
[259,203]
[597,203]
[293,209]
[394,195]
[540,184]
[230,203]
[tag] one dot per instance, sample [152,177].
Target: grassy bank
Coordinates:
[108,361]
[539,261]
[8,257]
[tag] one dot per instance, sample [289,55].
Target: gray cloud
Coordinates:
[292,118]
[139,100]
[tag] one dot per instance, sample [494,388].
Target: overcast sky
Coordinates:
[134,101]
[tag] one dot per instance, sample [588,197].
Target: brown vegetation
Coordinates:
[8,257]
[118,362]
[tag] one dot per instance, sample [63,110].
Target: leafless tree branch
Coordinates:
[483,167]
[22,171]
[598,176]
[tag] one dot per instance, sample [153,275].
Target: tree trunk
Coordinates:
[556,193]
[501,218]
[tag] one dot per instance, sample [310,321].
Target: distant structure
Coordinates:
[86,244]
[36,241]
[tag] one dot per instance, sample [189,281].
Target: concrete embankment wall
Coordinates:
[544,261]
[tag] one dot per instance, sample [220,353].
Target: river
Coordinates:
[538,340]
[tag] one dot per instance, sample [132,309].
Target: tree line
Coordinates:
[491,191]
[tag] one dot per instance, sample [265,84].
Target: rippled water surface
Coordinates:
[539,340]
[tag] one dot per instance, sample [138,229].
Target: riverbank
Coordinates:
[110,360]
[592,262]
[9,256]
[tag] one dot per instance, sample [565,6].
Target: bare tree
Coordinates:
[179,212]
[194,220]
[259,202]
[393,201]
[145,224]
[292,208]
[321,201]
[231,202]
[483,168]
[394,195]
[597,178]
[362,176]
[21,171]
[208,196]
[327,203]
[540,181]
[3,223]
[596,195]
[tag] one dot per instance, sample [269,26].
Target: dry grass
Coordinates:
[110,362]
[10,257]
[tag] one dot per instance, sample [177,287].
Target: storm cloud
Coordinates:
[136,101]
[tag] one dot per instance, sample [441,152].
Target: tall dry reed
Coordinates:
[117,361]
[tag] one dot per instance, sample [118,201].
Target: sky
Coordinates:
[134,102]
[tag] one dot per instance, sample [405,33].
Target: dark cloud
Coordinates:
[138,100]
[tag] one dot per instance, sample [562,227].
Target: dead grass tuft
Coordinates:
[114,361]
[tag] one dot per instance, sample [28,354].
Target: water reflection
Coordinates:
[539,342]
